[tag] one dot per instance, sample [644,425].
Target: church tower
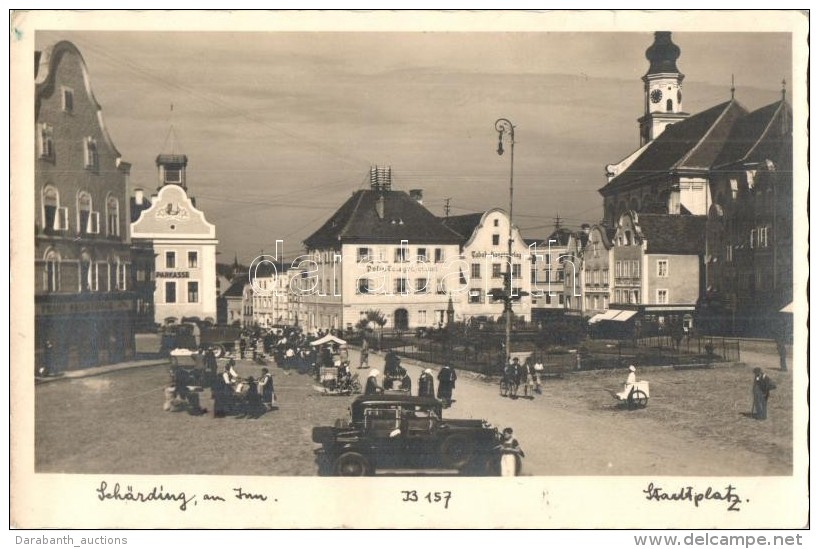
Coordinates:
[662,88]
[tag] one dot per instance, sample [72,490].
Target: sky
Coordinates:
[281,127]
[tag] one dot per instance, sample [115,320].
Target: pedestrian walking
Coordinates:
[426,384]
[365,355]
[514,378]
[266,390]
[763,385]
[446,383]
[537,370]
[47,367]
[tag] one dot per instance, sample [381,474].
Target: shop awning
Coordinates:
[606,315]
[622,316]
[329,338]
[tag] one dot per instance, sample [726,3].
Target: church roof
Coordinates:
[673,234]
[693,143]
[371,216]
[759,136]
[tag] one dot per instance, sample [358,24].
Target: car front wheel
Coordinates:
[351,464]
[457,451]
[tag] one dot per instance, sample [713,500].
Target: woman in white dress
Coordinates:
[510,452]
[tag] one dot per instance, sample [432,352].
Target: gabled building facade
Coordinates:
[184,246]
[485,250]
[657,270]
[749,256]
[84,300]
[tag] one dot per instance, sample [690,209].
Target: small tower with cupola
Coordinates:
[662,88]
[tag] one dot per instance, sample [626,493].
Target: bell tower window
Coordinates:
[669,106]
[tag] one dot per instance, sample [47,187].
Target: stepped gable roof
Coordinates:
[464,224]
[761,135]
[691,143]
[673,234]
[237,286]
[374,216]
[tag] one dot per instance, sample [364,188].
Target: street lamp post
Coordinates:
[504,126]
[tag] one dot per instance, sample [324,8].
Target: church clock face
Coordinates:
[656,96]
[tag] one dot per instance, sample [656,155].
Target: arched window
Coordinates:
[51,208]
[89,273]
[112,216]
[669,105]
[84,210]
[51,274]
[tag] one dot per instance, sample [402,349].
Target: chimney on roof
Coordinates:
[417,195]
[379,207]
[139,196]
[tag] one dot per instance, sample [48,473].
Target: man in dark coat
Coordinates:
[446,382]
[426,384]
[763,385]
[266,389]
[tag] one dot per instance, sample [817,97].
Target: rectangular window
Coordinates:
[618,269]
[548,299]
[662,268]
[763,237]
[496,270]
[401,286]
[560,299]
[422,255]
[422,317]
[52,275]
[729,253]
[193,292]
[122,276]
[193,260]
[475,296]
[170,260]
[68,100]
[420,285]
[753,238]
[46,141]
[170,292]
[363,255]
[363,286]
[662,297]
[516,270]
[400,254]
[476,271]
[495,239]
[439,255]
[91,155]
[441,289]
[173,175]
[605,276]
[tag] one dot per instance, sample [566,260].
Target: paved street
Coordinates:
[115,423]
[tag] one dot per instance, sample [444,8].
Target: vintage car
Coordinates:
[402,432]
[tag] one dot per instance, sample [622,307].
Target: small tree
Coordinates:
[372,318]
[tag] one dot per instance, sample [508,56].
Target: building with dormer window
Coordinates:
[381,250]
